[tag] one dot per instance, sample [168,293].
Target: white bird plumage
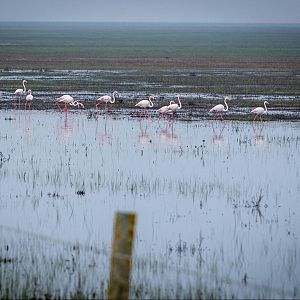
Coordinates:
[106,98]
[68,100]
[174,107]
[19,92]
[219,108]
[145,104]
[165,108]
[29,99]
[259,111]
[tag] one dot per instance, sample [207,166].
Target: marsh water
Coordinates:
[217,204]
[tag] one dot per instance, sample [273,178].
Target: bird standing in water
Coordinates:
[220,109]
[68,100]
[164,109]
[174,107]
[259,111]
[20,92]
[29,99]
[145,103]
[107,99]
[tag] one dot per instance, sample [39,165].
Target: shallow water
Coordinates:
[195,187]
[131,83]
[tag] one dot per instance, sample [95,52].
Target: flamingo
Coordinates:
[29,99]
[145,103]
[174,107]
[164,109]
[68,100]
[107,99]
[219,108]
[259,111]
[20,92]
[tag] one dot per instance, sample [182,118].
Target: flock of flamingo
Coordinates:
[172,108]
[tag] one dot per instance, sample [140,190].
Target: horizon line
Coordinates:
[153,22]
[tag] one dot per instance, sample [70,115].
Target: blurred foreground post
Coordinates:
[120,264]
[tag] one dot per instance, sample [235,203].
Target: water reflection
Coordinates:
[67,129]
[103,134]
[24,122]
[143,136]
[258,132]
[166,133]
[218,128]
[176,196]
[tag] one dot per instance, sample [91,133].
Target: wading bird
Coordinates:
[174,107]
[259,111]
[68,100]
[29,99]
[220,109]
[164,109]
[20,92]
[107,99]
[145,103]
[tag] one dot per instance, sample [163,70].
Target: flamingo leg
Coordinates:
[66,107]
[59,107]
[214,116]
[159,116]
[255,118]
[260,118]
[97,110]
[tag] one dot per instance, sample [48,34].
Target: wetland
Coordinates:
[217,202]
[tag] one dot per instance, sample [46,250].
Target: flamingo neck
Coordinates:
[24,87]
[265,105]
[113,100]
[151,103]
[179,101]
[226,109]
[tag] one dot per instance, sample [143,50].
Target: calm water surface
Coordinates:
[220,196]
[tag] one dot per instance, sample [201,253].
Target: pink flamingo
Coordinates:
[174,107]
[145,103]
[68,100]
[29,99]
[107,99]
[164,109]
[219,108]
[259,111]
[20,92]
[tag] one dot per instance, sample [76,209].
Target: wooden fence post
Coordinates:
[120,264]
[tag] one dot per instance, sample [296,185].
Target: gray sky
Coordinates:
[232,11]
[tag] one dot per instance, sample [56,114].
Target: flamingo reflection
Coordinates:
[218,132]
[104,135]
[66,130]
[167,133]
[258,130]
[143,136]
[25,122]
